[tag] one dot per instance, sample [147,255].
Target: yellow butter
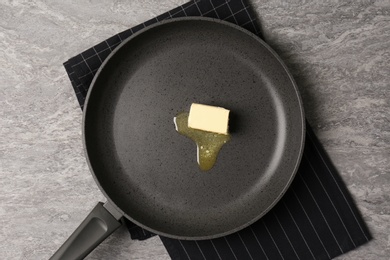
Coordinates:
[209,118]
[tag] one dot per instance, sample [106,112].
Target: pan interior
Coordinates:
[149,171]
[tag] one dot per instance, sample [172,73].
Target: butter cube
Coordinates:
[209,118]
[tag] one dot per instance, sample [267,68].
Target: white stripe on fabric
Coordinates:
[235,20]
[82,56]
[299,230]
[315,173]
[196,242]
[246,9]
[97,53]
[246,248]
[78,63]
[342,193]
[288,239]
[235,257]
[272,239]
[182,9]
[197,6]
[211,2]
[216,251]
[246,23]
[311,223]
[258,242]
[120,39]
[79,85]
[214,9]
[87,74]
[184,249]
[86,58]
[322,214]
[109,47]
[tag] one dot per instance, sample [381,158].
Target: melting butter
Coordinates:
[208,144]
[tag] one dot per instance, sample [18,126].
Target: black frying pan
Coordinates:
[148,171]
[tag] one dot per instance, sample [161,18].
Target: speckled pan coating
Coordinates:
[149,171]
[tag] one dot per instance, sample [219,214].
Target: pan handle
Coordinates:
[101,222]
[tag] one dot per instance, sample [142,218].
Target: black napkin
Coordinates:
[315,219]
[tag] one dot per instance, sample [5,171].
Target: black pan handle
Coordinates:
[97,226]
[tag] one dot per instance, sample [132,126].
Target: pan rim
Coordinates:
[302,126]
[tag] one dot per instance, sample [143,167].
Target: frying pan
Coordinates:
[148,171]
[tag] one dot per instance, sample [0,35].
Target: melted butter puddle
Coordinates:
[208,144]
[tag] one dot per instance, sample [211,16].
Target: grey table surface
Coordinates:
[338,52]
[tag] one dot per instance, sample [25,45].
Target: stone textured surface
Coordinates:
[338,52]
